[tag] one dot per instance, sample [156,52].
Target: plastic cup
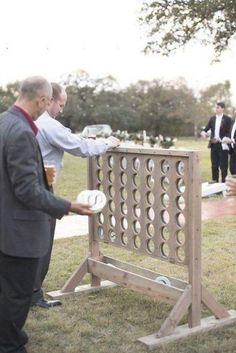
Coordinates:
[50,170]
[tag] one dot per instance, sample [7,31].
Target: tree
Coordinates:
[219,92]
[79,108]
[209,97]
[173,23]
[8,95]
[164,107]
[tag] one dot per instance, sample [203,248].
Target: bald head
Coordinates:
[35,95]
[35,86]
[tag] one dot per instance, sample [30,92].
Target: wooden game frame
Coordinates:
[153,195]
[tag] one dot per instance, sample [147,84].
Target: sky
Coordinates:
[54,38]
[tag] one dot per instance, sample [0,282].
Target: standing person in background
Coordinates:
[55,139]
[219,126]
[232,148]
[26,208]
[231,141]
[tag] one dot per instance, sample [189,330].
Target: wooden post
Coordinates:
[194,243]
[93,244]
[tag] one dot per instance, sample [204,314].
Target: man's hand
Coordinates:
[114,141]
[204,134]
[226,140]
[81,208]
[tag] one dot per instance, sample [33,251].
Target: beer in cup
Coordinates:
[50,170]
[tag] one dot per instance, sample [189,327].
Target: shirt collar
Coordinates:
[28,118]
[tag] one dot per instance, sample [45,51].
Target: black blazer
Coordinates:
[225,127]
[26,204]
[232,149]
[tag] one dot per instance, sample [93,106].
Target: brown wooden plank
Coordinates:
[176,314]
[194,232]
[76,277]
[93,243]
[207,324]
[83,289]
[143,271]
[154,151]
[134,281]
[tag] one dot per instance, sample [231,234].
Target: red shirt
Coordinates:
[28,118]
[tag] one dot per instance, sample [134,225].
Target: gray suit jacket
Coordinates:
[26,204]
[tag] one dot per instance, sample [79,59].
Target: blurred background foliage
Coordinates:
[159,107]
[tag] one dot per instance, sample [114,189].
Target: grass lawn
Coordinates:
[110,321]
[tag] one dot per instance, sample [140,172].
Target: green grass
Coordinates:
[110,321]
[201,146]
[72,178]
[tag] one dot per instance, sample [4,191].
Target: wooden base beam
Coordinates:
[115,272]
[83,289]
[134,281]
[207,324]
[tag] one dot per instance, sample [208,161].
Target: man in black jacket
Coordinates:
[232,147]
[219,127]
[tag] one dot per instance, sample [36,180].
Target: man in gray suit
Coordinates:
[26,208]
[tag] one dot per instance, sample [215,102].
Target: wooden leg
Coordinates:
[178,311]
[76,277]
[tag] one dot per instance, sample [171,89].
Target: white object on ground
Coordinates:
[210,189]
[163,280]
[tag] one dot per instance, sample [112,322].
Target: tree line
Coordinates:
[170,25]
[167,108]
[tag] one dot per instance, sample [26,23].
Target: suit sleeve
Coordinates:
[229,124]
[26,175]
[208,127]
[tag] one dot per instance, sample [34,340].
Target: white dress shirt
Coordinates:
[55,139]
[217,126]
[232,133]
